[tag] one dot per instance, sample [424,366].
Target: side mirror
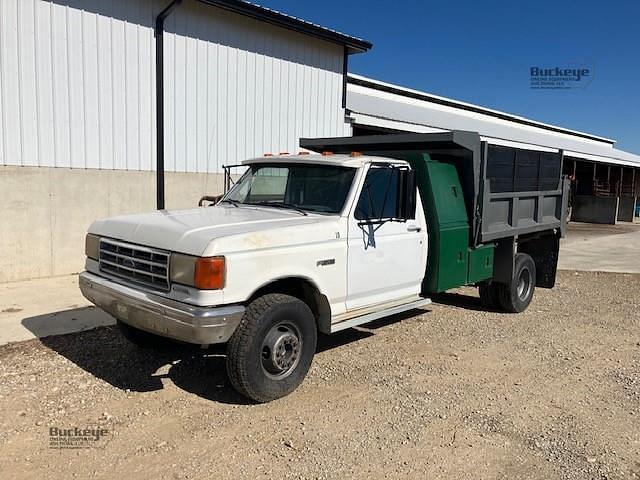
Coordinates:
[406,195]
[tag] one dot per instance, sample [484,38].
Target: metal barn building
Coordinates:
[85,120]
[79,113]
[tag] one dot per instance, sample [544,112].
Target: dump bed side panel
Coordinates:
[522,192]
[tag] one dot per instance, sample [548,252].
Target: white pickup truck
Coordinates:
[299,244]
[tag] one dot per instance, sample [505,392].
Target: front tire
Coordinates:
[269,354]
[516,296]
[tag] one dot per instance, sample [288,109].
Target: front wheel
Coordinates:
[516,297]
[271,351]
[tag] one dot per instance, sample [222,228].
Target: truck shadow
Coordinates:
[104,353]
[460,300]
[344,337]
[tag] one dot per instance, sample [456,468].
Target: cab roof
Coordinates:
[341,160]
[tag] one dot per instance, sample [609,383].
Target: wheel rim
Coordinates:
[281,350]
[525,283]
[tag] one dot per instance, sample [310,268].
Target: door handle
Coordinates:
[413,228]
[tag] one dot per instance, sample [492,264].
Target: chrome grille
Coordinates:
[142,265]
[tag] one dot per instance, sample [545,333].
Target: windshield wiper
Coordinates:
[287,206]
[231,201]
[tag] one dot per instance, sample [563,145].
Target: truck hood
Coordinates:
[191,231]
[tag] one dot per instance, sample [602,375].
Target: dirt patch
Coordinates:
[454,392]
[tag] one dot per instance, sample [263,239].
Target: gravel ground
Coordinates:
[452,392]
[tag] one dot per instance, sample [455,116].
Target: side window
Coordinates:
[379,196]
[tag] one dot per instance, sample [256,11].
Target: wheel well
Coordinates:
[305,291]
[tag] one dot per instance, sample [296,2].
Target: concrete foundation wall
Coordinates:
[45,212]
[591,209]
[626,209]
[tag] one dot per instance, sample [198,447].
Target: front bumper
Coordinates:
[159,315]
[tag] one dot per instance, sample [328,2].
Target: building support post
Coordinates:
[158,31]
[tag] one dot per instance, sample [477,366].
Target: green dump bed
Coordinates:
[474,194]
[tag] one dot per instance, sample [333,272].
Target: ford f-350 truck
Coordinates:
[310,243]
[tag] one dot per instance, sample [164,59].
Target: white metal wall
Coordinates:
[77,86]
[236,88]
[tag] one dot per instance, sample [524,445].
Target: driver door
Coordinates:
[386,259]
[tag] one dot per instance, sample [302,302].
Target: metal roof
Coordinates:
[274,17]
[428,97]
[380,104]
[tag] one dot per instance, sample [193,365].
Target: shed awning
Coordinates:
[376,104]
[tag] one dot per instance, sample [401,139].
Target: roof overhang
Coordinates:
[393,109]
[248,9]
[448,102]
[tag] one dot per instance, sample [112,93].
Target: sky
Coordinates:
[482,53]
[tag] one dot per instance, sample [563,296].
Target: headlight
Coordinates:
[92,246]
[204,273]
[183,268]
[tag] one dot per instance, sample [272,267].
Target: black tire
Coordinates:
[516,297]
[141,338]
[489,294]
[271,324]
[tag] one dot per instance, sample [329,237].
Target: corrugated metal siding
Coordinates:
[77,86]
[77,83]
[236,88]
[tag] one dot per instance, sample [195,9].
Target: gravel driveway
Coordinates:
[453,392]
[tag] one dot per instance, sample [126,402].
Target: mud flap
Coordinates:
[544,251]
[503,259]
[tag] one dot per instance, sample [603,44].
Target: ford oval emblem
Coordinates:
[127,262]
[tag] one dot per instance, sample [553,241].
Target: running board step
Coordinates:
[370,317]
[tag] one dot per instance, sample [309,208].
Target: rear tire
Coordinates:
[269,354]
[516,297]
[490,294]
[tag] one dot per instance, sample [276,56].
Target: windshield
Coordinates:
[316,188]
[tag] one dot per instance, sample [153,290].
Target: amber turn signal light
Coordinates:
[210,273]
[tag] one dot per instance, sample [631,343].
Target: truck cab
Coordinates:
[341,238]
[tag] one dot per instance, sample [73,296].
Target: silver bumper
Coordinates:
[159,315]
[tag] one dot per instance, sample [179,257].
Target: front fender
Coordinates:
[323,266]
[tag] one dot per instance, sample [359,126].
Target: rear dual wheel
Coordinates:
[489,295]
[516,296]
